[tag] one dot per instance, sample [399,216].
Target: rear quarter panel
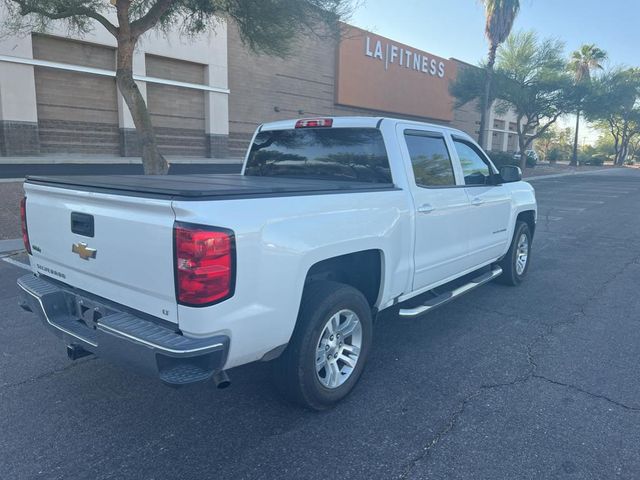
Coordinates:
[278,239]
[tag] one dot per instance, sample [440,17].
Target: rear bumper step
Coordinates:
[122,337]
[448,296]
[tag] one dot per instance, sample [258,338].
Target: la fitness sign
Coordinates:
[392,54]
[386,76]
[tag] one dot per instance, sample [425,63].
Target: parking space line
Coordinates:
[565,199]
[602,189]
[594,194]
[17,263]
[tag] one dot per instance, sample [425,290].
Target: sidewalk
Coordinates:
[546,169]
[10,195]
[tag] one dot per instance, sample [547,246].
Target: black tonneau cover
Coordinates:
[205,187]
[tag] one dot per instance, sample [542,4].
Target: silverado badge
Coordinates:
[84,251]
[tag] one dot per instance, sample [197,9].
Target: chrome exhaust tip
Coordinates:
[221,379]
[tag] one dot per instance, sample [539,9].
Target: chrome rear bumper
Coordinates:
[122,337]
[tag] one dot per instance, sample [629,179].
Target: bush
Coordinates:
[597,159]
[554,155]
[501,159]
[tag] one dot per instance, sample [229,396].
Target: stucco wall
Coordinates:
[18,109]
[265,88]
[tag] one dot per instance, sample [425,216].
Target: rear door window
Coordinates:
[342,154]
[430,159]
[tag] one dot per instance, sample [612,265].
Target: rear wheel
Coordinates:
[328,348]
[515,264]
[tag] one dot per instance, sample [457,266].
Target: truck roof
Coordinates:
[362,122]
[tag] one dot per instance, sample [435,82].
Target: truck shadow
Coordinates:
[122,424]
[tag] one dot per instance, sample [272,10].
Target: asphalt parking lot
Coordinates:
[539,381]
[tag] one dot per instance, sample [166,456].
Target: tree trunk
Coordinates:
[153,162]
[574,156]
[522,140]
[624,145]
[623,154]
[485,105]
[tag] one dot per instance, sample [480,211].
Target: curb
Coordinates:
[12,245]
[557,175]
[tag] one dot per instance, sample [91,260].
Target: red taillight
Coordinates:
[314,122]
[204,264]
[23,222]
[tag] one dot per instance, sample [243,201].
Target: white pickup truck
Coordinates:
[331,221]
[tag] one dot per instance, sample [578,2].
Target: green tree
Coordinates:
[531,79]
[582,63]
[534,84]
[554,143]
[266,26]
[499,15]
[615,102]
[604,143]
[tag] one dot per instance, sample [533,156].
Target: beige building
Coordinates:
[58,94]
[503,134]
[325,77]
[363,74]
[206,96]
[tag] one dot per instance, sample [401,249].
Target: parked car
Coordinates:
[332,221]
[532,157]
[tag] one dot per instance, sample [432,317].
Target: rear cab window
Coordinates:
[340,154]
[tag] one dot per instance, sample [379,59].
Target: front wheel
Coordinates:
[328,348]
[515,264]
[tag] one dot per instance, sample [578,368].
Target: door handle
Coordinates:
[426,208]
[477,201]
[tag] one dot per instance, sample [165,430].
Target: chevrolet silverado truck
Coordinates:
[331,221]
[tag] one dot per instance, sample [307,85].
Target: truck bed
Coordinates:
[205,187]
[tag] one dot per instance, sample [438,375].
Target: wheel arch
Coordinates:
[529,217]
[363,270]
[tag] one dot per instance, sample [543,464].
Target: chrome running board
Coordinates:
[448,296]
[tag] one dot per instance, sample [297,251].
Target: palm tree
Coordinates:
[500,15]
[582,63]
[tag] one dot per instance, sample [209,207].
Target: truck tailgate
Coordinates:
[128,258]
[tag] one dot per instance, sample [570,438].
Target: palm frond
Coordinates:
[500,15]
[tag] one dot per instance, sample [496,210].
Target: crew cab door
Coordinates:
[440,203]
[488,218]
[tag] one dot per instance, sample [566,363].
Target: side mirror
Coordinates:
[510,173]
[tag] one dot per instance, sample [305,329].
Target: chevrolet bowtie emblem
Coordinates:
[84,251]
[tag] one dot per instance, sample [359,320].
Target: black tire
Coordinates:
[294,371]
[510,275]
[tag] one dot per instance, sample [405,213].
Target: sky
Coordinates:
[455,28]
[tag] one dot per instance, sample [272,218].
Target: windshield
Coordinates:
[343,154]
